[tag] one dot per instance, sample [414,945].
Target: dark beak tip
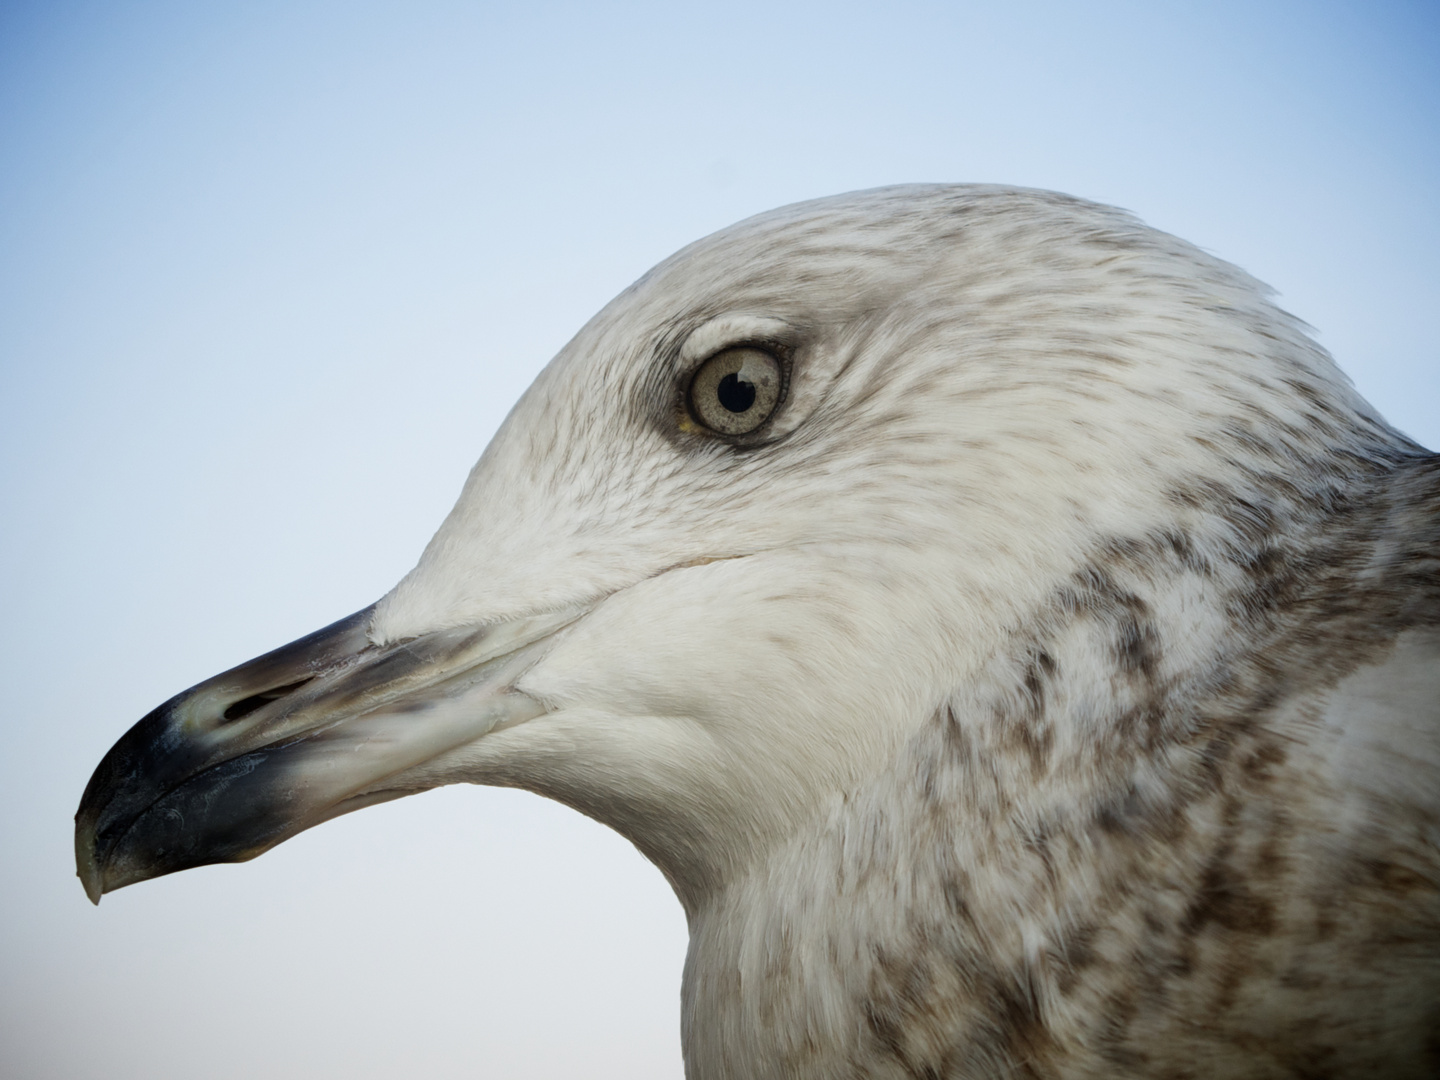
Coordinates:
[92,880]
[160,802]
[86,867]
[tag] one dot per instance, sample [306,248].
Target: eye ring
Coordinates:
[736,390]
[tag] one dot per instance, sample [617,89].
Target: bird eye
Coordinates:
[735,391]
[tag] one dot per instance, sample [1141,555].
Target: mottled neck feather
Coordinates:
[1103,856]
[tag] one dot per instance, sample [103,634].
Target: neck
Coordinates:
[1082,847]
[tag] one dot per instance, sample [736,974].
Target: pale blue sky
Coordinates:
[271,274]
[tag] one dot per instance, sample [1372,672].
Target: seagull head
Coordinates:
[749,529]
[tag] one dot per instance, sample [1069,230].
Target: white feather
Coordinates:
[969,715]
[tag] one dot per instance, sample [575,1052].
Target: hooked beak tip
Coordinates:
[86,868]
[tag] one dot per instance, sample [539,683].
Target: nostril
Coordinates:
[245,706]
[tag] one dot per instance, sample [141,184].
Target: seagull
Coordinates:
[1010,634]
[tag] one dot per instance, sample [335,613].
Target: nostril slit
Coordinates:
[245,706]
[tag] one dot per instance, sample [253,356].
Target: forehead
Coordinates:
[832,260]
[822,268]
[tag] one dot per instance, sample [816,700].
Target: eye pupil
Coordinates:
[735,395]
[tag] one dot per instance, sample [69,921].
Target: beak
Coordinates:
[313,730]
